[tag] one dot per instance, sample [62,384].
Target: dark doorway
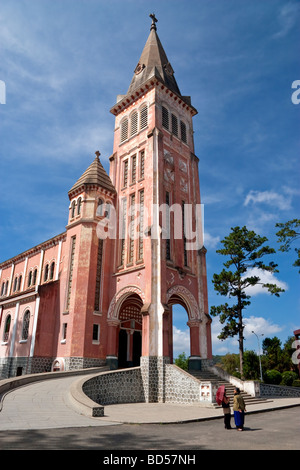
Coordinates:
[122,357]
[137,348]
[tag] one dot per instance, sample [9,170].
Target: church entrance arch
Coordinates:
[130,331]
[186,302]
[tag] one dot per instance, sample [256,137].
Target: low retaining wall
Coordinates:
[270,390]
[181,387]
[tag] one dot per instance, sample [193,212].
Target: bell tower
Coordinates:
[159,257]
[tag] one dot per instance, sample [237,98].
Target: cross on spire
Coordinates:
[154,20]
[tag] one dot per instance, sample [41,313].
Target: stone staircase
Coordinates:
[208,376]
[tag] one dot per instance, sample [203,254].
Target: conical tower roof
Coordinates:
[94,175]
[154,63]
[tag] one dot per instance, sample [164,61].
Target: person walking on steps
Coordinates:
[239,409]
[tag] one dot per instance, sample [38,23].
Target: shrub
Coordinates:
[272,377]
[288,378]
[296,383]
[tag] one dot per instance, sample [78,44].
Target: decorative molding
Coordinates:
[188,298]
[113,311]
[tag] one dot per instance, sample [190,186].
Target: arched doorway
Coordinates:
[180,332]
[180,298]
[130,333]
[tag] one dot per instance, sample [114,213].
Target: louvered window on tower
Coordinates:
[174,125]
[183,131]
[134,123]
[165,118]
[124,130]
[144,117]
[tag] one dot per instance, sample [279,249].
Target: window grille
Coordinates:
[165,118]
[124,130]
[168,243]
[133,169]
[174,125]
[125,175]
[142,164]
[134,123]
[98,275]
[72,256]
[141,227]
[123,233]
[144,117]
[183,131]
[131,234]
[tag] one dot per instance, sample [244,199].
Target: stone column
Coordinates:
[195,358]
[112,344]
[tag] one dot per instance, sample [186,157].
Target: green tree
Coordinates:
[272,353]
[245,249]
[230,363]
[182,361]
[251,365]
[288,233]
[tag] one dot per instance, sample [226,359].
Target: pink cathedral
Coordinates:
[101,292]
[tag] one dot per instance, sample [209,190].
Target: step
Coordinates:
[207,376]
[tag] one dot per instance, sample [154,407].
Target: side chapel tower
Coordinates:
[154,170]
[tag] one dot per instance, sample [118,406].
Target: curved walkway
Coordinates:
[43,405]
[46,404]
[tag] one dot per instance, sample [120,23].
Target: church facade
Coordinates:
[102,291]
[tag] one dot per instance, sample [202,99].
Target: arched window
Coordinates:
[15,284]
[99,211]
[46,272]
[19,283]
[79,206]
[52,271]
[25,328]
[6,328]
[174,123]
[73,209]
[124,130]
[34,277]
[2,288]
[144,117]
[133,123]
[107,210]
[6,288]
[29,279]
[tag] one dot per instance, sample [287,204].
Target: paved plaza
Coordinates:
[40,417]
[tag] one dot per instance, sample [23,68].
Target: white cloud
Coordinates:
[278,201]
[265,277]
[288,17]
[260,326]
[181,341]
[210,241]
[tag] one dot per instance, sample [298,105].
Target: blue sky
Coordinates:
[64,63]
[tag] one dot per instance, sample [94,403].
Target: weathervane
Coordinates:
[154,20]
